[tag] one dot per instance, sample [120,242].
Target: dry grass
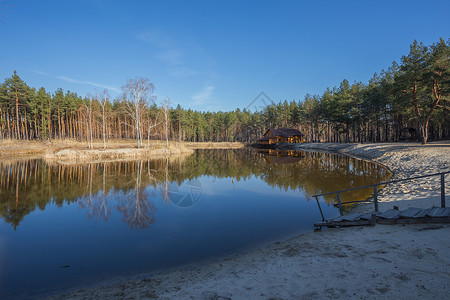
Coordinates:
[16,149]
[10,148]
[214,145]
[84,156]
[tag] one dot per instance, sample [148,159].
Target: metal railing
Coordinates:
[375,192]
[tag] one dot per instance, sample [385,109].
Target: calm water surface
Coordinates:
[67,226]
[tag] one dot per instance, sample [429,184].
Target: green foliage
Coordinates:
[406,97]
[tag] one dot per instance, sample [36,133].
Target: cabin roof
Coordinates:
[285,132]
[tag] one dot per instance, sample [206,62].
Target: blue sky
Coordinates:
[211,55]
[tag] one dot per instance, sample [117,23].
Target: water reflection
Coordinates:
[282,156]
[109,220]
[132,187]
[96,205]
[136,204]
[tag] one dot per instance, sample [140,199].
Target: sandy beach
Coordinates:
[384,261]
[405,160]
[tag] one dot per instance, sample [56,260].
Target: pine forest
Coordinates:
[409,100]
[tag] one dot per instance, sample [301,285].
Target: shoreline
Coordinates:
[404,160]
[70,156]
[389,261]
[74,152]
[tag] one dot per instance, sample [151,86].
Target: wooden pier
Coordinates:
[392,216]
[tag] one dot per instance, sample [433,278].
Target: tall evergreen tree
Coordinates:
[16,93]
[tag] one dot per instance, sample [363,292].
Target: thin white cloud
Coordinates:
[72,80]
[181,72]
[40,72]
[68,79]
[168,53]
[171,57]
[204,95]
[156,38]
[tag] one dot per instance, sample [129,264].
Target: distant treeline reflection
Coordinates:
[31,184]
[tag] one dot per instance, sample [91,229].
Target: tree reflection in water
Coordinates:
[164,186]
[96,205]
[136,206]
[33,184]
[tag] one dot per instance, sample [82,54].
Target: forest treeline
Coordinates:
[409,100]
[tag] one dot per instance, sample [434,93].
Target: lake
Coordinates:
[66,226]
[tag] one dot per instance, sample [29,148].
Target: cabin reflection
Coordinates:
[273,156]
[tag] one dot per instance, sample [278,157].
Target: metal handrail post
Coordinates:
[339,202]
[384,183]
[375,197]
[320,209]
[375,194]
[442,190]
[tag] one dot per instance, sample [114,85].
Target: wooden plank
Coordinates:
[410,212]
[368,216]
[340,218]
[397,221]
[390,214]
[373,220]
[422,213]
[345,223]
[320,224]
[337,219]
[353,223]
[436,212]
[428,220]
[446,213]
[351,217]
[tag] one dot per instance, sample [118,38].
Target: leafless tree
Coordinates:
[166,108]
[138,93]
[88,108]
[103,100]
[151,123]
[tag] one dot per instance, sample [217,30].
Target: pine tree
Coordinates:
[17,92]
[42,104]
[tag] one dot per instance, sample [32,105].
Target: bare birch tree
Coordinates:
[138,93]
[151,123]
[104,99]
[166,108]
[88,107]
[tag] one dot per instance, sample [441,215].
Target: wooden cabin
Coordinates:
[282,135]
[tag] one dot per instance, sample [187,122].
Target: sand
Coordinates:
[405,160]
[379,262]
